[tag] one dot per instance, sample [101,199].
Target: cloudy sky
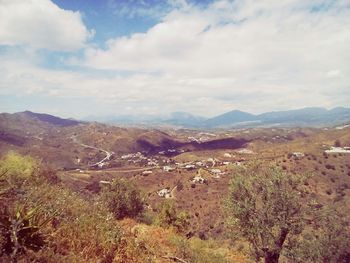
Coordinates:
[76,58]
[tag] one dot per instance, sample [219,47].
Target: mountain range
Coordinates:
[312,117]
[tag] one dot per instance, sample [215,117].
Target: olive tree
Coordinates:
[123,199]
[265,206]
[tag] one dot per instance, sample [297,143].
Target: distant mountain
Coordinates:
[179,118]
[230,118]
[184,119]
[312,117]
[125,119]
[307,117]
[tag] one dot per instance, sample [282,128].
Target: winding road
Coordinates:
[106,158]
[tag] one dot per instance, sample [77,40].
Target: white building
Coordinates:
[215,171]
[168,169]
[338,150]
[190,166]
[145,173]
[166,193]
[298,154]
[198,179]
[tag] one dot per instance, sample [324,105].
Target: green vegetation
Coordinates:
[123,199]
[265,206]
[273,212]
[168,216]
[41,220]
[327,241]
[48,223]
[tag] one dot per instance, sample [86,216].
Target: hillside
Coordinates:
[52,139]
[191,169]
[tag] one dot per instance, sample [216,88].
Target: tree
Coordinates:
[123,199]
[168,216]
[266,206]
[328,240]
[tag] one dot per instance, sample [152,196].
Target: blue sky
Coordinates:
[127,57]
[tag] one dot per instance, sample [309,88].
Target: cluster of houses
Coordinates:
[338,150]
[209,163]
[139,158]
[201,137]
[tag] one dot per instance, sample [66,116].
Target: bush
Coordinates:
[169,217]
[18,168]
[21,229]
[123,199]
[327,241]
[44,222]
[330,167]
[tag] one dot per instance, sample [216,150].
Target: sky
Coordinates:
[79,58]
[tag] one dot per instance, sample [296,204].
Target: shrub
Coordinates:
[82,230]
[22,230]
[123,199]
[329,166]
[169,217]
[337,143]
[44,222]
[18,168]
[327,241]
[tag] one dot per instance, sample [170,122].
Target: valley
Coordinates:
[191,167]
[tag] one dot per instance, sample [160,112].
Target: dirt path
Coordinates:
[106,158]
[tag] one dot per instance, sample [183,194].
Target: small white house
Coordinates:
[168,169]
[338,150]
[166,193]
[190,166]
[298,154]
[145,173]
[215,171]
[198,179]
[101,165]
[200,164]
[152,163]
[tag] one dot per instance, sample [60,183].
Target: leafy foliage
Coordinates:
[44,222]
[21,230]
[123,199]
[41,220]
[266,206]
[169,217]
[18,167]
[327,241]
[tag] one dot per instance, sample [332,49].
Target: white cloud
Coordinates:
[251,55]
[265,47]
[41,24]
